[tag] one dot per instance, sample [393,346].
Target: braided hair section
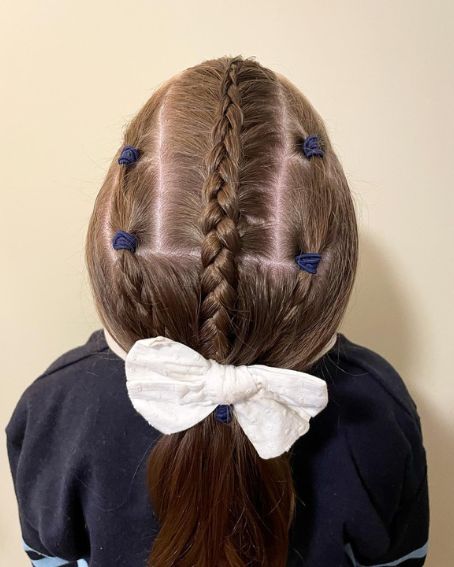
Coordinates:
[130,276]
[219,221]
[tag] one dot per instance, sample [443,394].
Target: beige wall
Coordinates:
[380,73]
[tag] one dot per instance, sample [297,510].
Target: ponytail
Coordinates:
[218,503]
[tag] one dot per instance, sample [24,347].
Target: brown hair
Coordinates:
[221,200]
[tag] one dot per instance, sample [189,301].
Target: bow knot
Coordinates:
[227,384]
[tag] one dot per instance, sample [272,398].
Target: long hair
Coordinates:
[221,200]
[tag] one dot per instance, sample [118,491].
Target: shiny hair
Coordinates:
[221,200]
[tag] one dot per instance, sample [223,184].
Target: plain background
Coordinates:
[381,75]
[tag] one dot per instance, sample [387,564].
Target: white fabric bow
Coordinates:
[174,387]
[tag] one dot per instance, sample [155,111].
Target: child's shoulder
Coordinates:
[87,363]
[359,373]
[94,344]
[376,415]
[366,456]
[80,382]
[371,402]
[68,431]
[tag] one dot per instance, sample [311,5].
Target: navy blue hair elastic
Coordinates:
[308,261]
[311,147]
[129,154]
[223,413]
[124,241]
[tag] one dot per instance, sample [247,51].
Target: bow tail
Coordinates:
[270,426]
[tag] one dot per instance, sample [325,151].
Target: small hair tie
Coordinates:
[129,155]
[124,241]
[308,261]
[223,413]
[311,147]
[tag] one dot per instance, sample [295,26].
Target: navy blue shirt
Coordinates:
[78,454]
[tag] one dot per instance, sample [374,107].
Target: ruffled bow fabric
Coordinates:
[174,387]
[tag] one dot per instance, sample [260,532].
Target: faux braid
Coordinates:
[134,292]
[134,288]
[219,221]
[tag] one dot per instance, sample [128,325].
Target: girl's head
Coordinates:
[222,197]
